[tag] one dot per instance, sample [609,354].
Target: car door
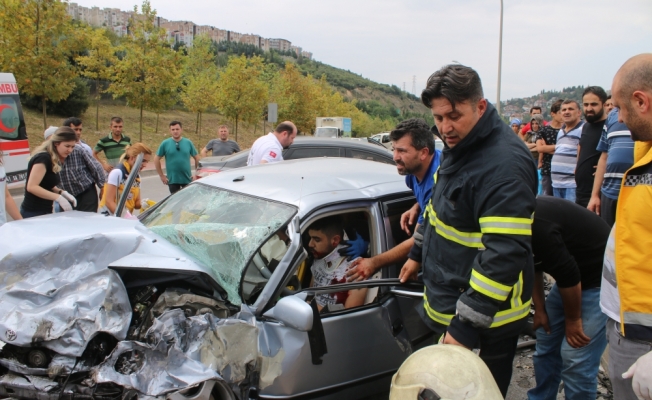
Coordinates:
[348,351]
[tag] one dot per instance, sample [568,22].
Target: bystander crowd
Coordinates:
[546,143]
[593,100]
[177,152]
[221,146]
[564,160]
[112,145]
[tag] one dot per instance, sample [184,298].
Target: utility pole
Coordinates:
[414,85]
[404,86]
[500,57]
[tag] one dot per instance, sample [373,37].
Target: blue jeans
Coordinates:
[555,360]
[564,193]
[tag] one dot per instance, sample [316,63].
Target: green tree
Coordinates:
[149,68]
[199,92]
[242,92]
[96,63]
[38,42]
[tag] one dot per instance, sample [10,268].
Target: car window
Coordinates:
[386,139]
[392,211]
[309,152]
[366,155]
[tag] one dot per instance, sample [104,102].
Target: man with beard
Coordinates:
[477,250]
[416,158]
[329,266]
[626,295]
[588,156]
[269,148]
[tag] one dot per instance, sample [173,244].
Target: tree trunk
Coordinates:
[236,129]
[197,124]
[200,124]
[140,134]
[97,105]
[157,114]
[45,118]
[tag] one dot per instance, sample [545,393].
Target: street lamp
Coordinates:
[500,56]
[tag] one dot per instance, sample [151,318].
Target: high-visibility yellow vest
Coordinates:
[633,242]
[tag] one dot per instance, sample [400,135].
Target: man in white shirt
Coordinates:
[269,148]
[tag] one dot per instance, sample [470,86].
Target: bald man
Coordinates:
[269,148]
[626,293]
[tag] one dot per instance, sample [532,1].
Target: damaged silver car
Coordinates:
[208,295]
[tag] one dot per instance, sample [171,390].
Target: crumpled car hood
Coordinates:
[55,288]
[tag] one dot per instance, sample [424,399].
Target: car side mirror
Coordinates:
[293,312]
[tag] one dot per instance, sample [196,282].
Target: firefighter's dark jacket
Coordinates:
[476,251]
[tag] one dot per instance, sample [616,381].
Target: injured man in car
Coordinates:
[329,267]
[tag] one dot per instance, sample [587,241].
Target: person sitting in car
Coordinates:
[329,267]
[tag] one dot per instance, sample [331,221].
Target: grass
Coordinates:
[210,122]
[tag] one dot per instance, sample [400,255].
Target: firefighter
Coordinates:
[476,245]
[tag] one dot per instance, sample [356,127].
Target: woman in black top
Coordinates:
[43,175]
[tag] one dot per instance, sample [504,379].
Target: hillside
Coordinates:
[520,107]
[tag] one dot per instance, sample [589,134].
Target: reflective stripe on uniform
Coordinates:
[513,314]
[516,300]
[489,287]
[506,225]
[637,318]
[444,319]
[468,239]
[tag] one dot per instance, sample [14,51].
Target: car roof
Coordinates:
[310,183]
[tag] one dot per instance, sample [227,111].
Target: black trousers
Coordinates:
[608,209]
[499,357]
[87,200]
[174,187]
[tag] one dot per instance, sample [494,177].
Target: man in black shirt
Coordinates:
[546,141]
[593,100]
[568,242]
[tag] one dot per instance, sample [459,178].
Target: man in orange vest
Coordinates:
[626,292]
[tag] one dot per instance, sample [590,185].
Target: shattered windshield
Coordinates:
[219,228]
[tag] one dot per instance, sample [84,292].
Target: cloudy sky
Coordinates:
[547,44]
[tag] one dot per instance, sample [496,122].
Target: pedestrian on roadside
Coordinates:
[416,158]
[221,146]
[617,157]
[42,188]
[76,125]
[483,199]
[7,203]
[564,161]
[535,110]
[568,242]
[515,124]
[269,148]
[593,100]
[79,175]
[115,183]
[608,105]
[113,145]
[177,152]
[626,296]
[530,138]
[546,143]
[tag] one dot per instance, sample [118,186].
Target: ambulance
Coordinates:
[14,147]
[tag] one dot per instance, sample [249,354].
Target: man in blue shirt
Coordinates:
[417,159]
[617,157]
